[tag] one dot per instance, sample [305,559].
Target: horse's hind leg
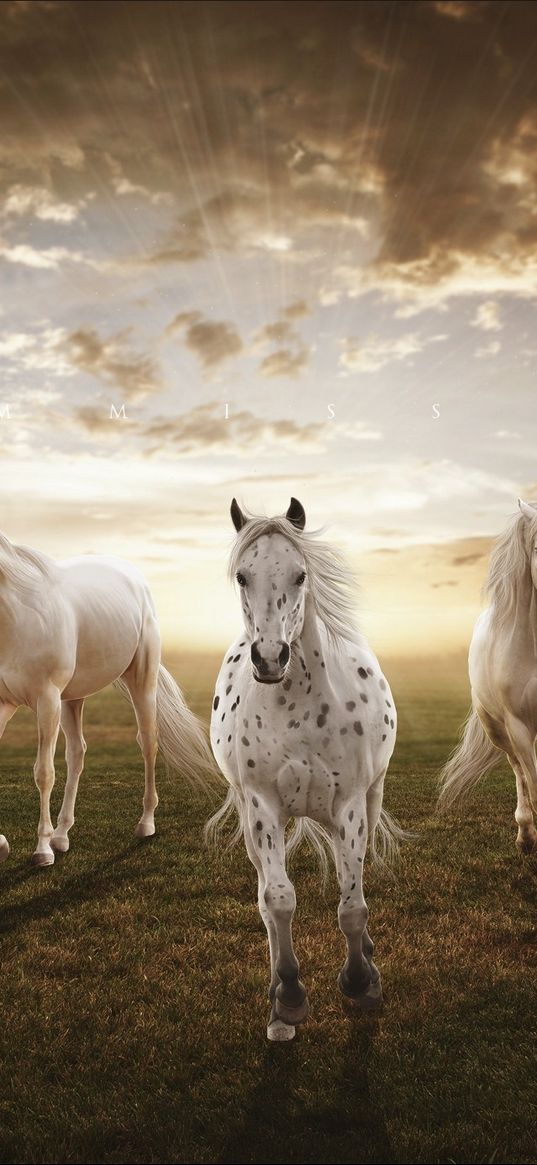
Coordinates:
[527,834]
[48,722]
[6,712]
[75,748]
[141,679]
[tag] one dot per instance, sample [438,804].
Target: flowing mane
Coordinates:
[23,567]
[332,584]
[509,568]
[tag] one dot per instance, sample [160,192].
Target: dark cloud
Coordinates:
[288,360]
[285,362]
[212,341]
[111,362]
[415,122]
[297,309]
[204,429]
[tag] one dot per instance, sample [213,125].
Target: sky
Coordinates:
[267,249]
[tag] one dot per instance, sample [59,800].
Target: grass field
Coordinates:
[134,975]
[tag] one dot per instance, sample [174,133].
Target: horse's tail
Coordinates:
[385,839]
[474,756]
[214,826]
[305,829]
[318,838]
[181,738]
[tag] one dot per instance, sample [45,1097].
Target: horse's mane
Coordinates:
[332,584]
[509,568]
[22,567]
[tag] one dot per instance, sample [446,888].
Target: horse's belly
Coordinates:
[100,659]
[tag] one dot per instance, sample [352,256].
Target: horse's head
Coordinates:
[529,510]
[271,573]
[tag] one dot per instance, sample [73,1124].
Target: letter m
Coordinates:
[115,414]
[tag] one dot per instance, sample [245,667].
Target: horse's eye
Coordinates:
[301,579]
[241,579]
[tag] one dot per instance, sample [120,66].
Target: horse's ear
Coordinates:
[296,514]
[237,516]
[529,511]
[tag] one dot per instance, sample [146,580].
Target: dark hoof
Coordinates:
[370,999]
[291,1015]
[527,845]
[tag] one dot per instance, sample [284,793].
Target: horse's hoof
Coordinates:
[145,829]
[43,859]
[368,1000]
[4,848]
[291,1015]
[278,1031]
[527,845]
[60,845]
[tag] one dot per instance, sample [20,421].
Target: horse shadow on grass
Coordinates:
[288,1117]
[86,885]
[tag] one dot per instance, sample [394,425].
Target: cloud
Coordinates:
[487,317]
[204,430]
[212,341]
[297,309]
[285,362]
[291,355]
[276,332]
[264,135]
[375,352]
[47,258]
[38,201]
[110,361]
[431,283]
[123,186]
[38,351]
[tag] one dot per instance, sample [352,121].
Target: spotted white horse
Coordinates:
[67,629]
[503,678]
[303,726]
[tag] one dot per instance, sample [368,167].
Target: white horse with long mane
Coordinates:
[503,677]
[303,726]
[67,629]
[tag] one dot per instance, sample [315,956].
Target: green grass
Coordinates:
[134,975]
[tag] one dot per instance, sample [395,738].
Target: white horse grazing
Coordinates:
[67,629]
[503,677]
[303,726]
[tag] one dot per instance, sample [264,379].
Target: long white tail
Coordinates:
[474,756]
[305,829]
[386,839]
[181,738]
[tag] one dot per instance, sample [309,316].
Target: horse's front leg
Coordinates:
[48,722]
[6,712]
[75,749]
[265,836]
[359,979]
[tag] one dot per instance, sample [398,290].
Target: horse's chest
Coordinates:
[297,752]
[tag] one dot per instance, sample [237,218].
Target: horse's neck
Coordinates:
[524,627]
[311,641]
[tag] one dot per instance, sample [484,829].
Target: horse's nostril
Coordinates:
[255,655]
[284,655]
